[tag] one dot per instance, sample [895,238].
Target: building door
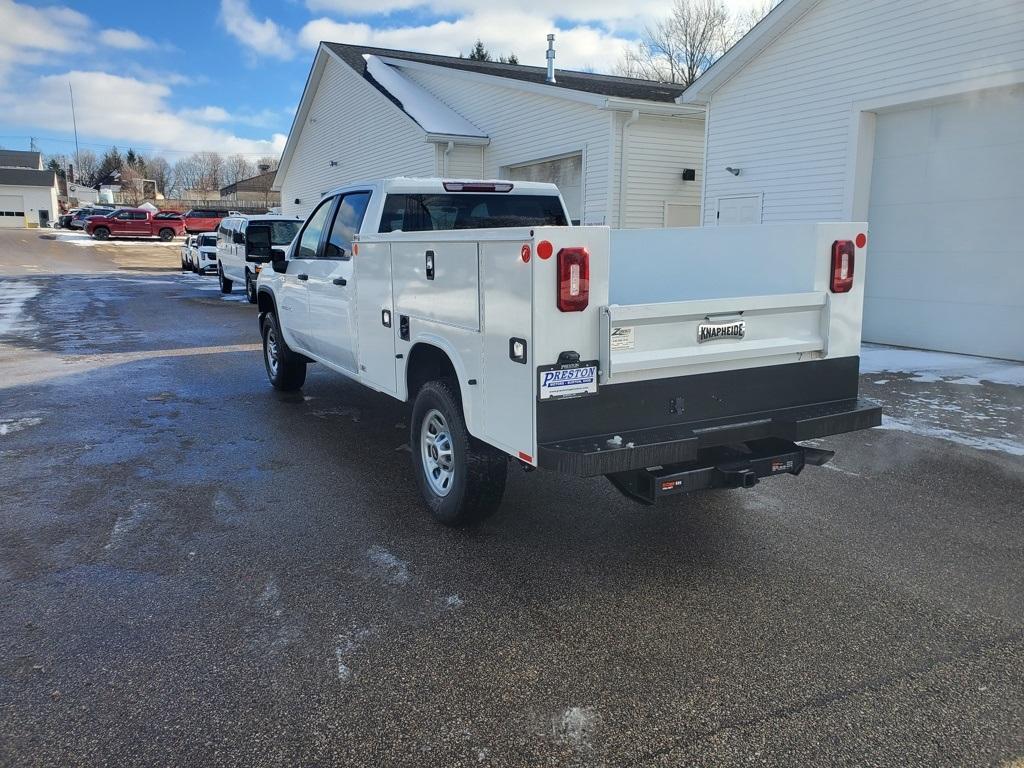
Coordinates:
[946,253]
[564,172]
[12,211]
[739,210]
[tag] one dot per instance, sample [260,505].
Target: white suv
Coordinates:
[204,253]
[236,262]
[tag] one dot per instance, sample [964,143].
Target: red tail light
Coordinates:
[842,266]
[573,279]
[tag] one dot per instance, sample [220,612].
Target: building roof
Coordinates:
[586,82]
[26,177]
[763,34]
[258,183]
[14,158]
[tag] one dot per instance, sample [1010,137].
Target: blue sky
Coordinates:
[226,75]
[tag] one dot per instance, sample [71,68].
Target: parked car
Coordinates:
[133,222]
[168,215]
[236,261]
[186,251]
[667,360]
[79,219]
[64,220]
[204,253]
[202,220]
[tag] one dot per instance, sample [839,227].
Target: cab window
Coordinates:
[347,221]
[309,240]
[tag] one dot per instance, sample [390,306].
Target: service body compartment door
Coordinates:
[507,318]
[376,322]
[438,281]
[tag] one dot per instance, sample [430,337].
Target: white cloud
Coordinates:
[27,34]
[124,39]
[524,34]
[262,38]
[128,111]
[206,114]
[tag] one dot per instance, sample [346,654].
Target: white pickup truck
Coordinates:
[668,360]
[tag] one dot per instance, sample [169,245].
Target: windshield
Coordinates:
[423,213]
[207,240]
[282,232]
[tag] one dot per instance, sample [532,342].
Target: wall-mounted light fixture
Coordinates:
[689,174]
[733,171]
[297,201]
[334,163]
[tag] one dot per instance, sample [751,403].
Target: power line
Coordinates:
[153,150]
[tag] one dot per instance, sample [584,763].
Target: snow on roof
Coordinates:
[432,115]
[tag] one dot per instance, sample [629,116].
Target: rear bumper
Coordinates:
[603,454]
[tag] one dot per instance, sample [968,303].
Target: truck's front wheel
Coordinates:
[285,369]
[101,233]
[460,478]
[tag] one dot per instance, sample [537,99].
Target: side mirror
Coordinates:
[278,262]
[257,244]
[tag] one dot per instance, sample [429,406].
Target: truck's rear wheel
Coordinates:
[225,284]
[285,369]
[250,287]
[166,234]
[460,478]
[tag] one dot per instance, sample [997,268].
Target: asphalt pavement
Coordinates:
[198,570]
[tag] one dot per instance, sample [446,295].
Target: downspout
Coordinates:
[622,166]
[444,162]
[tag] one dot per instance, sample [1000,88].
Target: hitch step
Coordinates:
[740,466]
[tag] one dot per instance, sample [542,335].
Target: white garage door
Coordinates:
[947,227]
[12,211]
[565,172]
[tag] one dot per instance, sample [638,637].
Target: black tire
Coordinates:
[225,284]
[476,482]
[288,371]
[101,233]
[166,234]
[250,287]
[184,266]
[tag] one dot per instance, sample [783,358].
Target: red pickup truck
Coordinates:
[133,222]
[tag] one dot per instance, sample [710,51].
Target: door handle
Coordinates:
[302,277]
[340,281]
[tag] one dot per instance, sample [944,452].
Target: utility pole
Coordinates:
[74,122]
[32,143]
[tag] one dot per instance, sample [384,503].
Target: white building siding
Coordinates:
[344,108]
[464,162]
[524,127]
[659,148]
[785,118]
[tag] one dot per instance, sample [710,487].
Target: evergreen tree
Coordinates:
[479,53]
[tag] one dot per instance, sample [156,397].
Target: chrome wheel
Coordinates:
[271,351]
[438,452]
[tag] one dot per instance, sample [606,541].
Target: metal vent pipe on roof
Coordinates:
[551,59]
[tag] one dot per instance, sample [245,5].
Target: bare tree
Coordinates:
[237,168]
[88,166]
[682,46]
[159,170]
[187,174]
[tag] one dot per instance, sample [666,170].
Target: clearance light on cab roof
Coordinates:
[466,186]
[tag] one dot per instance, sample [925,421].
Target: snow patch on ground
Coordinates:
[575,726]
[13,297]
[387,566]
[8,426]
[345,646]
[125,524]
[931,367]
[75,237]
[983,442]
[453,602]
